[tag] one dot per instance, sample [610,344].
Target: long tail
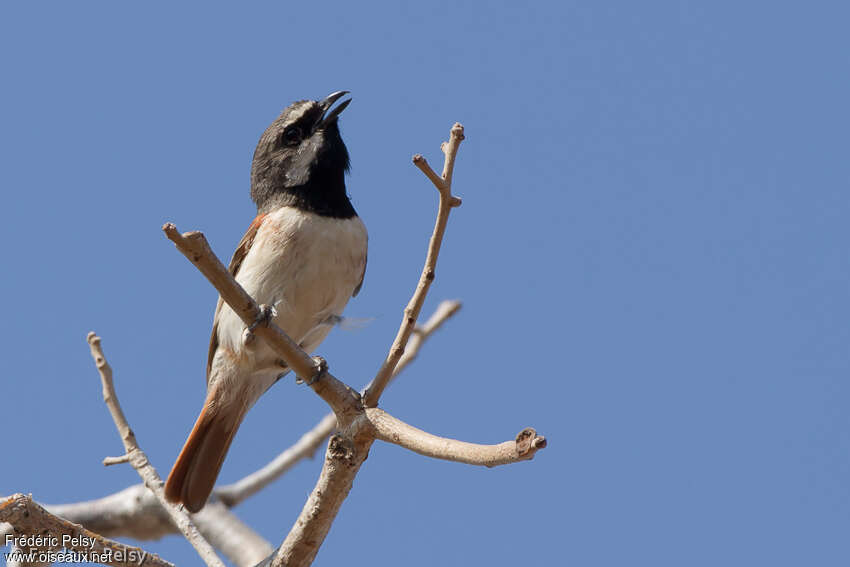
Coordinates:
[193,475]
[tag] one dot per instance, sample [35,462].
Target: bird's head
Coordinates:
[301,160]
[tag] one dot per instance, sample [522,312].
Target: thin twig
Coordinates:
[447,201]
[140,462]
[109,461]
[444,310]
[49,534]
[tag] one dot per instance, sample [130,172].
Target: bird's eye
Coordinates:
[292,135]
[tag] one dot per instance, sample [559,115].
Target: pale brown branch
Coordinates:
[447,201]
[343,459]
[392,430]
[30,519]
[132,512]
[423,165]
[444,310]
[450,150]
[135,512]
[194,246]
[140,462]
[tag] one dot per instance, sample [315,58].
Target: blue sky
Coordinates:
[652,253]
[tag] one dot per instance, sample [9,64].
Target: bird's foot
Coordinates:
[320,369]
[267,314]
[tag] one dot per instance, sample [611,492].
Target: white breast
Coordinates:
[304,264]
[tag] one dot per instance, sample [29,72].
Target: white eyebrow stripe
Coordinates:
[297,113]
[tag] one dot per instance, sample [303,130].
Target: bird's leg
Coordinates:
[321,369]
[267,314]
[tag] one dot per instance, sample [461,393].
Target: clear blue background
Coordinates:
[652,251]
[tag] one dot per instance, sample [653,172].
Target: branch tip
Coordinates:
[109,461]
[528,442]
[458,132]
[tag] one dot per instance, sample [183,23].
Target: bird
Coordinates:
[302,258]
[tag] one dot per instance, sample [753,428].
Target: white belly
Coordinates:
[307,266]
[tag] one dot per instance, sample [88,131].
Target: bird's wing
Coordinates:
[235,262]
[362,277]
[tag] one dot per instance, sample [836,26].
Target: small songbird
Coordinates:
[304,256]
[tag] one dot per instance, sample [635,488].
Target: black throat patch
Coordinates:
[301,162]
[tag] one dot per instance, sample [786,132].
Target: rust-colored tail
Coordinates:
[193,475]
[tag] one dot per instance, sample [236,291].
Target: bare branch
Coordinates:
[447,201]
[52,533]
[140,462]
[194,246]
[444,310]
[342,462]
[423,165]
[450,150]
[135,512]
[132,512]
[393,430]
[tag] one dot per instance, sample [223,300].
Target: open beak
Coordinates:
[325,105]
